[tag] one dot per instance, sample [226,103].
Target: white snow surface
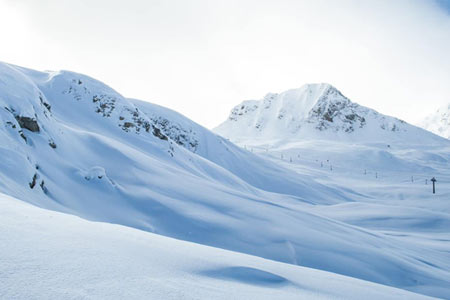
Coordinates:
[317,111]
[438,122]
[50,255]
[385,162]
[72,144]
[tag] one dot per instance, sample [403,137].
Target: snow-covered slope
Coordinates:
[248,167]
[316,111]
[90,111]
[315,130]
[49,255]
[72,144]
[438,122]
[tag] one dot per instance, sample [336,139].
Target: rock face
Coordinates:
[169,124]
[312,111]
[182,136]
[438,122]
[28,123]
[333,107]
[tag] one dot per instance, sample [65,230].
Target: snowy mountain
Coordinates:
[316,111]
[438,122]
[69,114]
[199,140]
[72,144]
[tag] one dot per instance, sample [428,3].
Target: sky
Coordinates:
[203,57]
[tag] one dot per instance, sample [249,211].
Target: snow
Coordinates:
[132,163]
[438,122]
[315,111]
[385,173]
[50,255]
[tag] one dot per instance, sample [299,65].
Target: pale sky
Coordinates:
[203,57]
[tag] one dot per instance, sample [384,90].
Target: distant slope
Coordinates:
[316,111]
[438,122]
[49,255]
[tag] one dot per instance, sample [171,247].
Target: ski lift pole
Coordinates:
[434,181]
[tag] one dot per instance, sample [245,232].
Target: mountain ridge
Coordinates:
[314,111]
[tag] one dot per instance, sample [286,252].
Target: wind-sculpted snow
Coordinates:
[49,255]
[106,158]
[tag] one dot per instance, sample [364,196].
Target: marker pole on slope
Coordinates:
[434,181]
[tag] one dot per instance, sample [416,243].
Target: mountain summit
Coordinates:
[313,110]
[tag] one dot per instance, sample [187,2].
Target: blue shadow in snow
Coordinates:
[246,275]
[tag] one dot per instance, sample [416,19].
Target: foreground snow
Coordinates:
[50,255]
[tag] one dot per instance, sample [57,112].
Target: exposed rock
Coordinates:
[128,124]
[11,124]
[33,181]
[242,110]
[105,104]
[43,187]
[52,144]
[157,133]
[28,123]
[22,135]
[77,92]
[138,121]
[182,136]
[48,106]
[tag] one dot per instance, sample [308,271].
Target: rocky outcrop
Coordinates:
[28,123]
[182,136]
[342,112]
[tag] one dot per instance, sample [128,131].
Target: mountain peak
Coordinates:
[317,110]
[321,88]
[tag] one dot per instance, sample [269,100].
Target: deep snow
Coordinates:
[388,171]
[106,158]
[50,255]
